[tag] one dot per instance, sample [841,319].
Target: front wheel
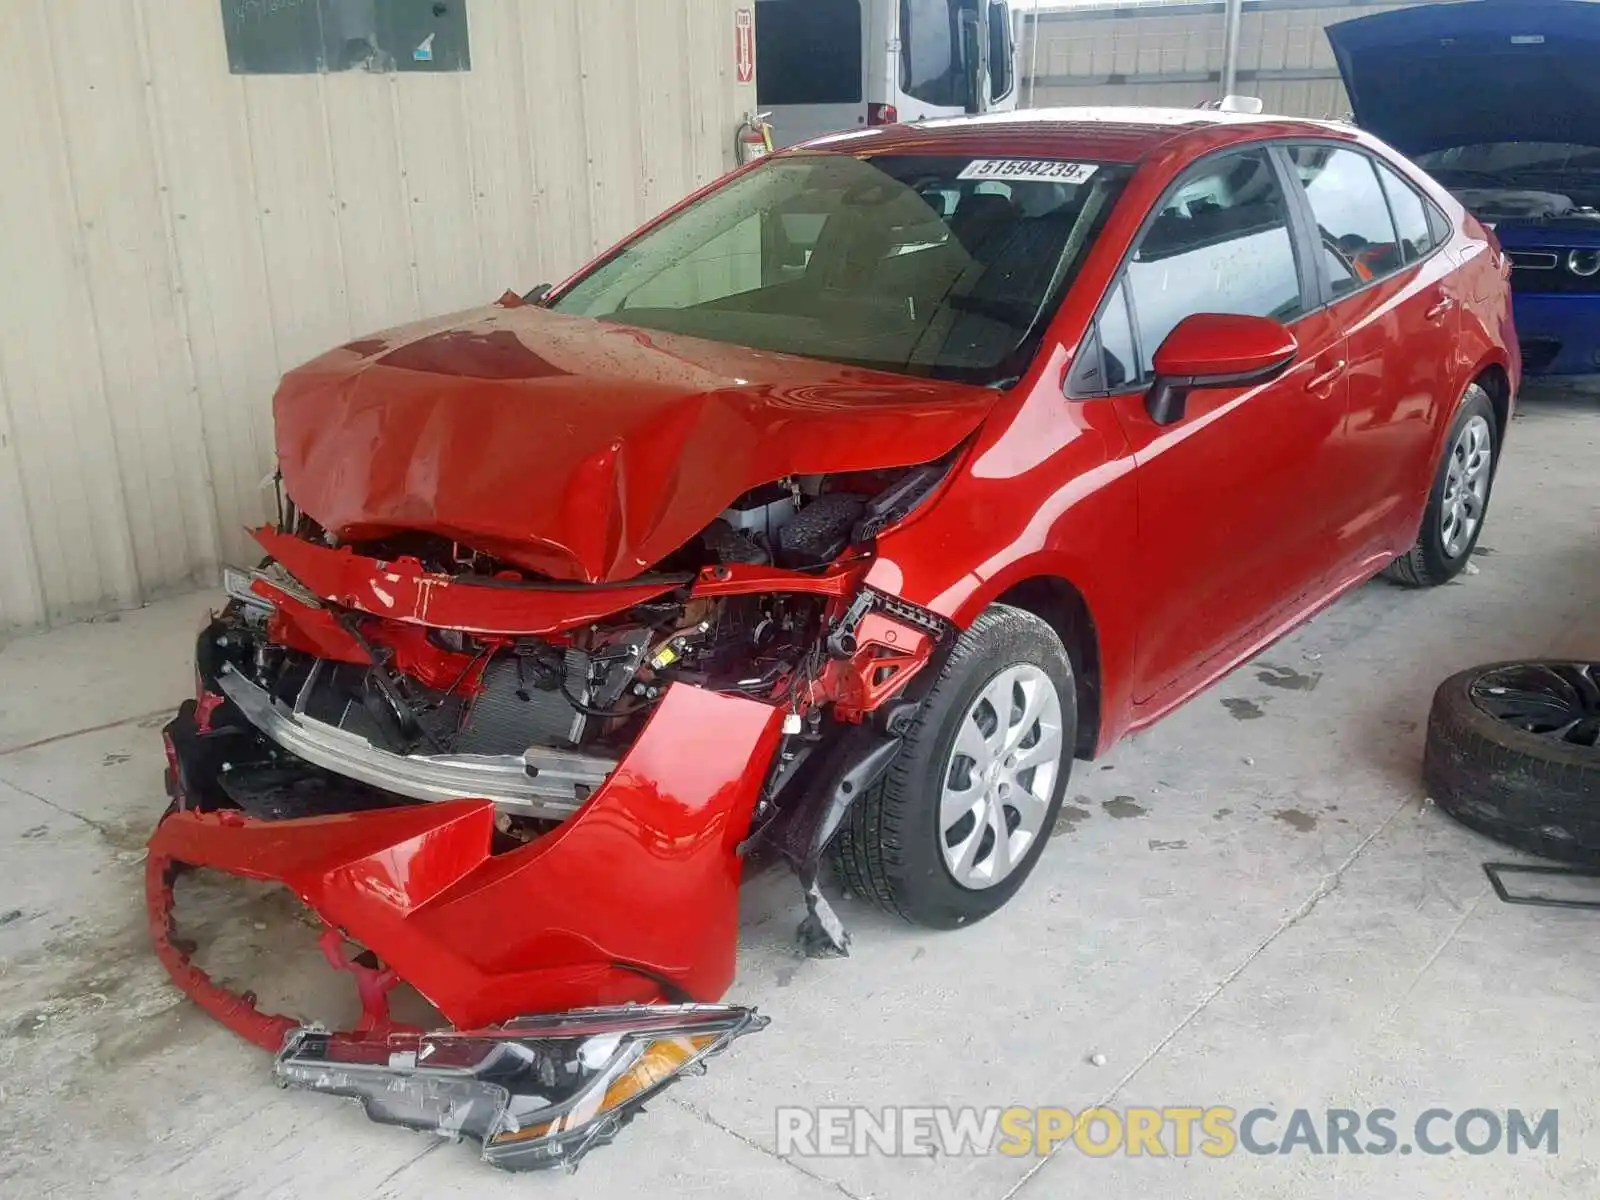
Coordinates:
[1459,500]
[959,821]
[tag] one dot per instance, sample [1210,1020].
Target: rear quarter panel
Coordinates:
[1487,336]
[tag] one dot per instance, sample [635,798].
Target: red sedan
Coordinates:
[836,512]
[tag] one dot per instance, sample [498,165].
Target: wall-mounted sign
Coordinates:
[744,40]
[308,37]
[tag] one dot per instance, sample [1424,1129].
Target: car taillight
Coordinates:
[882,114]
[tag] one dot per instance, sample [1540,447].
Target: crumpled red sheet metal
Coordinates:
[633,899]
[405,591]
[579,449]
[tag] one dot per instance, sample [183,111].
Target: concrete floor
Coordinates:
[1250,905]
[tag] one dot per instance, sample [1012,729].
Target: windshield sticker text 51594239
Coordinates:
[1029,170]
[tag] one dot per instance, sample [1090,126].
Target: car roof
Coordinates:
[1108,134]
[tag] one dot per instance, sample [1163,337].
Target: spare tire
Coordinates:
[1514,752]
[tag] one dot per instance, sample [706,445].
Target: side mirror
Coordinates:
[539,294]
[1216,350]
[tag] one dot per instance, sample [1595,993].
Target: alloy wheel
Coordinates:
[1560,701]
[1466,487]
[1000,776]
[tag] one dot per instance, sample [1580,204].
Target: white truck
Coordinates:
[825,66]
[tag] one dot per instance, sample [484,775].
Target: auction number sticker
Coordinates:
[1029,169]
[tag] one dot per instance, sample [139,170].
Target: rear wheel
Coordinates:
[959,821]
[1459,501]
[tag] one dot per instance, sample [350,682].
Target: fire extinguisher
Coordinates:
[755,138]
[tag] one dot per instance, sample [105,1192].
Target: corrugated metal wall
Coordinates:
[173,237]
[1173,56]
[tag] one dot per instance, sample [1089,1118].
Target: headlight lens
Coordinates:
[539,1092]
[239,584]
[236,582]
[1584,263]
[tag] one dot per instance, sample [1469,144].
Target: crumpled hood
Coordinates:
[580,449]
[1436,76]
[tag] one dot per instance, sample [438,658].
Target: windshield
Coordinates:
[946,267]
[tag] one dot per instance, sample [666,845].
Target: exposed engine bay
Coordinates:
[558,623]
[413,683]
[347,710]
[536,724]
[1522,204]
[420,741]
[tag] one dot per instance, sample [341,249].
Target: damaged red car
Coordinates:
[834,514]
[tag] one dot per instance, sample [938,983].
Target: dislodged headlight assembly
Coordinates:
[239,583]
[538,1092]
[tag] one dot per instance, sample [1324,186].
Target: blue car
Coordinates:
[1500,101]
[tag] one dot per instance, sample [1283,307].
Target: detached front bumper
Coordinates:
[634,899]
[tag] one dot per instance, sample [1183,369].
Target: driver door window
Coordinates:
[1220,244]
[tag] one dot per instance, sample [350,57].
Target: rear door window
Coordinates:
[1410,216]
[808,52]
[1220,244]
[1358,237]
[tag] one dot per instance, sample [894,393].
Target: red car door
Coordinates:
[1398,302]
[1232,498]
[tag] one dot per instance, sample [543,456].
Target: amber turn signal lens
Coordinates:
[661,1060]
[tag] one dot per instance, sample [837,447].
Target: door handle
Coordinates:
[1440,309]
[1331,375]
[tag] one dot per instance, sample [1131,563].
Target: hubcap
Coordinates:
[1560,701]
[1000,776]
[1466,487]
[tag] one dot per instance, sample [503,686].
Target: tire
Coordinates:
[891,849]
[1534,791]
[1430,562]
